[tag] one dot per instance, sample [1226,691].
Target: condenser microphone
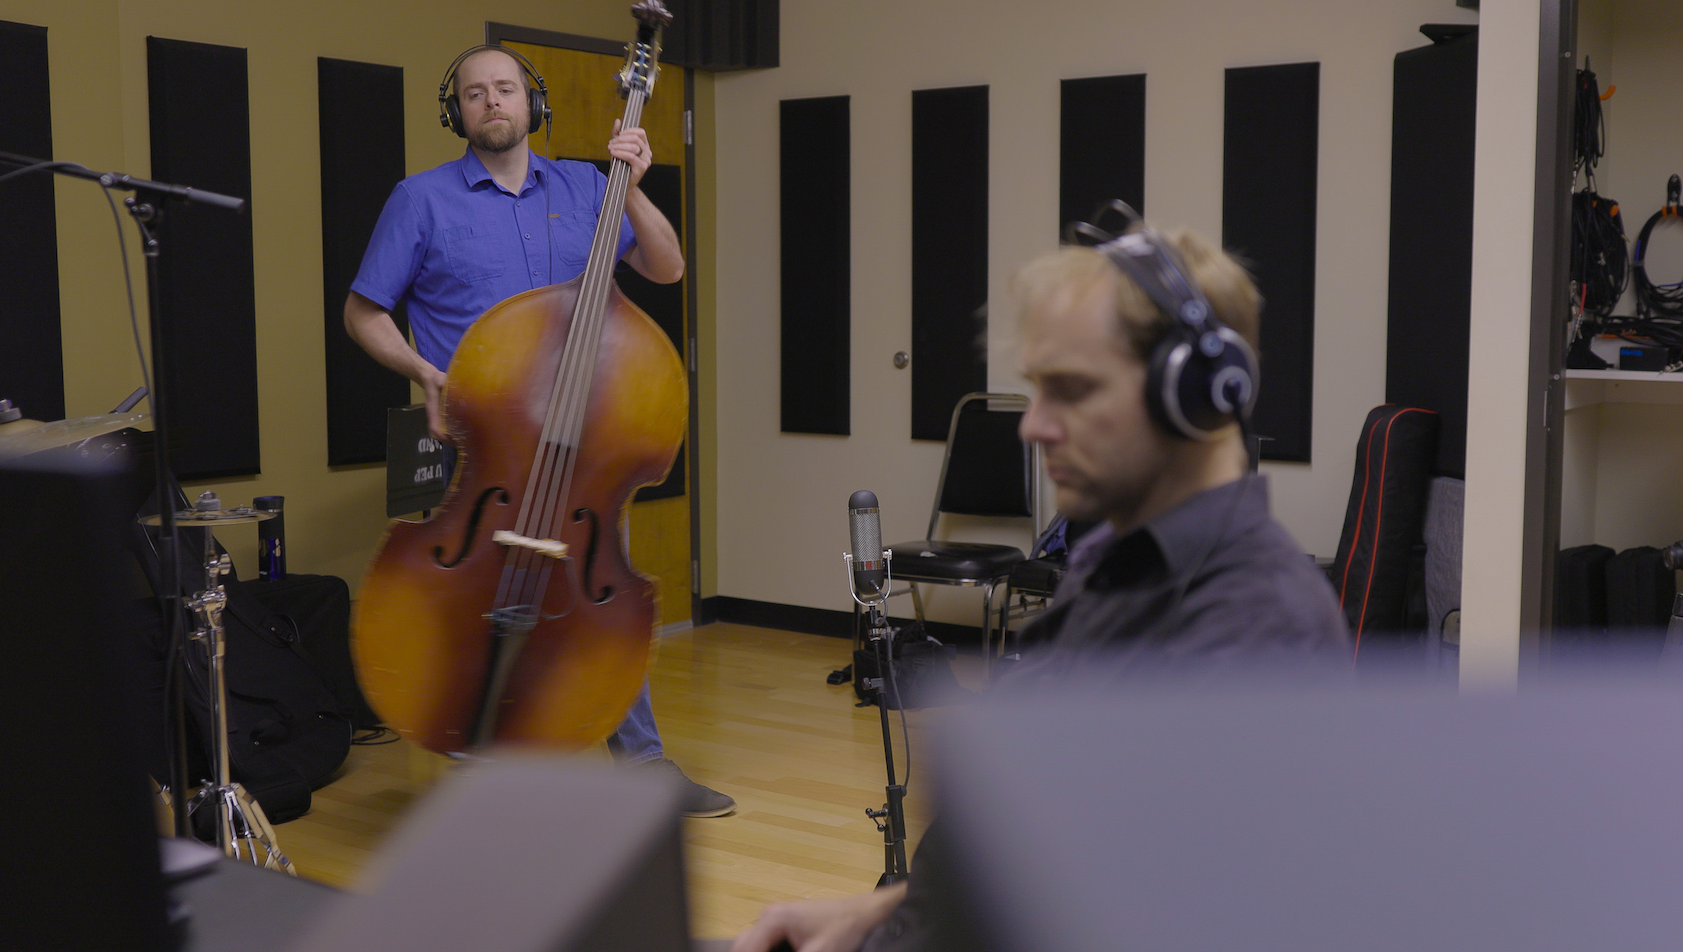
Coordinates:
[864,523]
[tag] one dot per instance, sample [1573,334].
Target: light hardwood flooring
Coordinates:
[744,710]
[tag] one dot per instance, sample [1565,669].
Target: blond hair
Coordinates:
[1059,278]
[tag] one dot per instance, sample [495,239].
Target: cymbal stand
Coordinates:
[891,819]
[145,209]
[241,827]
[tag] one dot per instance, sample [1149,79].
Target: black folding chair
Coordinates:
[988,471]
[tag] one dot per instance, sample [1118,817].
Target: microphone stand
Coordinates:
[891,819]
[145,214]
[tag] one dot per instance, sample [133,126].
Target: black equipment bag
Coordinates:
[922,671]
[1383,522]
[319,607]
[1580,593]
[287,733]
[1639,594]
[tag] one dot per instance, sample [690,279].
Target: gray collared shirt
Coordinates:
[1210,588]
[1213,583]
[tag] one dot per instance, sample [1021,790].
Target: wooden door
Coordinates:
[584,96]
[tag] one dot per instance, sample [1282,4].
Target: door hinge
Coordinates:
[689,127]
[695,576]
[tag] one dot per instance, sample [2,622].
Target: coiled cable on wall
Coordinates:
[1657,300]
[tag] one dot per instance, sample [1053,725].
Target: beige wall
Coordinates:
[1501,315]
[780,524]
[98,63]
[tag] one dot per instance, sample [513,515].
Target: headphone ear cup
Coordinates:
[453,115]
[1162,380]
[536,108]
[1187,391]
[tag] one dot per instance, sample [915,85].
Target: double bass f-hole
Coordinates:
[607,592]
[472,527]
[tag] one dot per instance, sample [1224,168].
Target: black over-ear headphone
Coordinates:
[1202,375]
[537,97]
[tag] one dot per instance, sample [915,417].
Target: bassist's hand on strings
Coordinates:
[632,147]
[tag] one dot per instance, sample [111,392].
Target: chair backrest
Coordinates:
[988,469]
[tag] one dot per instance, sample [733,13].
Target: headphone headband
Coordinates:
[1202,375]
[537,99]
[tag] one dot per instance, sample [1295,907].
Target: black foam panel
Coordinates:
[362,159]
[1433,111]
[722,35]
[663,303]
[816,268]
[31,346]
[1101,145]
[949,253]
[1271,137]
[201,137]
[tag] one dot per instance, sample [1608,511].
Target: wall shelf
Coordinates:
[1586,387]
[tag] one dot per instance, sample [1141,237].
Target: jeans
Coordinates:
[637,740]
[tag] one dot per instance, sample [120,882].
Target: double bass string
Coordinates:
[550,480]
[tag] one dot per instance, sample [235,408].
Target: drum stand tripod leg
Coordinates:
[241,827]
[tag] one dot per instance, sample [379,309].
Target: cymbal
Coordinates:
[45,436]
[19,427]
[220,517]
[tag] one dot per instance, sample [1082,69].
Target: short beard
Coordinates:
[497,139]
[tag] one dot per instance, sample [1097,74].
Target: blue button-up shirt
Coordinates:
[451,242]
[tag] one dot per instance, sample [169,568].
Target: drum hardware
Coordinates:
[242,831]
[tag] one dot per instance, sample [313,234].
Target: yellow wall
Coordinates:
[99,104]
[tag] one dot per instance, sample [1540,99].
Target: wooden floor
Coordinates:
[744,710]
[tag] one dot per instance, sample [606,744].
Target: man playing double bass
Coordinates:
[455,240]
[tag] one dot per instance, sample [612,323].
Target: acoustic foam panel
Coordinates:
[201,138]
[816,269]
[361,161]
[1269,159]
[722,35]
[1433,107]
[949,253]
[1101,145]
[31,345]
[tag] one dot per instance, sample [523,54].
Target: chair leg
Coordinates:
[987,627]
[1005,619]
[917,602]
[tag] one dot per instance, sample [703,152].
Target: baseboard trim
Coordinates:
[814,621]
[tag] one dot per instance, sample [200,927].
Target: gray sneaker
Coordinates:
[697,800]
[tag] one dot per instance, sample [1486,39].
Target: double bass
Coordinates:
[513,615]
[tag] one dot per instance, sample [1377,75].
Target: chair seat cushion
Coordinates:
[1038,576]
[936,560]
